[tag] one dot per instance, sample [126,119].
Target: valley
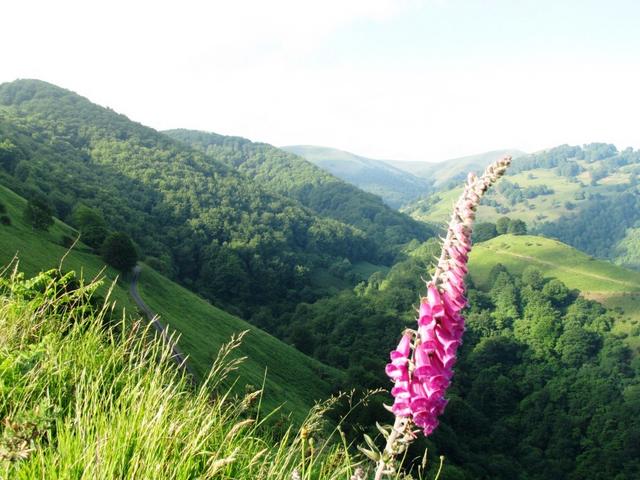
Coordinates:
[232,235]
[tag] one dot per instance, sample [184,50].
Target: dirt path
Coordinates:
[178,356]
[635,286]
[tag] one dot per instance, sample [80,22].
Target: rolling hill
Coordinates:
[613,286]
[395,186]
[586,196]
[290,378]
[533,211]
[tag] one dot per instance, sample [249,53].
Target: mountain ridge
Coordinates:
[451,169]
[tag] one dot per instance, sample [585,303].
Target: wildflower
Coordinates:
[422,365]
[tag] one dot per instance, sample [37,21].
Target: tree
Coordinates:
[9,156]
[517,227]
[38,214]
[540,327]
[533,277]
[557,292]
[92,226]
[502,225]
[576,345]
[119,252]
[484,231]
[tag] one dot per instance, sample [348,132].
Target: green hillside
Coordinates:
[586,196]
[292,378]
[283,173]
[242,224]
[395,186]
[37,250]
[611,285]
[533,211]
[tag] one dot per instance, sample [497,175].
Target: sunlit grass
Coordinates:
[80,400]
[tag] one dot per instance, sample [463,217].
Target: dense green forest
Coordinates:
[290,175]
[601,226]
[234,239]
[543,389]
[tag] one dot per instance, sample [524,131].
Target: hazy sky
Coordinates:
[414,80]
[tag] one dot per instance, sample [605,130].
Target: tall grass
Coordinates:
[83,400]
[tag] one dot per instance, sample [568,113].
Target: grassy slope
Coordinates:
[609,284]
[77,403]
[291,376]
[39,251]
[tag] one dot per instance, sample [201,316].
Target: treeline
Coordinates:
[232,236]
[564,157]
[543,388]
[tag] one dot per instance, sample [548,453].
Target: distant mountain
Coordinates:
[395,186]
[455,168]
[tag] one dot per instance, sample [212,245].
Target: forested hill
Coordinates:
[396,187]
[291,175]
[586,196]
[214,229]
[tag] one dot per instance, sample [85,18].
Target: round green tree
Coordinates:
[484,231]
[517,227]
[38,214]
[91,224]
[502,225]
[119,252]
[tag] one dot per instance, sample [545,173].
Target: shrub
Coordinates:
[119,252]
[38,214]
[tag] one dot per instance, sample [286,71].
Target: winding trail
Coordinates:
[177,356]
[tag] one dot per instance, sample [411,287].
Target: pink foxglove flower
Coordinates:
[422,365]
